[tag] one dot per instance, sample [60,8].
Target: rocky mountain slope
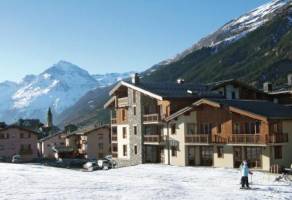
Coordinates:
[260,50]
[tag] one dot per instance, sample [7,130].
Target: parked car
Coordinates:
[17,159]
[2,159]
[106,163]
[91,166]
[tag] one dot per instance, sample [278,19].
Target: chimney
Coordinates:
[267,87]
[180,81]
[289,79]
[135,78]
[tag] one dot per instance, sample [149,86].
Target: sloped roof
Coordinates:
[170,90]
[265,108]
[20,128]
[51,136]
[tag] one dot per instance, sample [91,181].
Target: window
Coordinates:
[278,152]
[233,95]
[191,128]
[205,128]
[1,147]
[219,128]
[100,146]
[134,110]
[115,148]
[252,127]
[21,135]
[275,128]
[29,135]
[247,128]
[173,129]
[135,130]
[7,135]
[100,137]
[236,128]
[257,127]
[134,96]
[124,132]
[220,151]
[125,150]
[173,151]
[135,150]
[2,136]
[123,115]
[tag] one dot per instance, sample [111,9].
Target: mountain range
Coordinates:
[58,87]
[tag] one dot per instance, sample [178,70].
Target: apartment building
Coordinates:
[90,143]
[222,133]
[47,145]
[139,110]
[16,140]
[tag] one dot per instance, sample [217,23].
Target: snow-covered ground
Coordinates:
[139,182]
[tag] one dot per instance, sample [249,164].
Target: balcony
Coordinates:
[277,138]
[202,138]
[258,138]
[123,102]
[247,139]
[205,139]
[114,121]
[152,139]
[151,118]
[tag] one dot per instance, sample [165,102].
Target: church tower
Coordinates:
[49,118]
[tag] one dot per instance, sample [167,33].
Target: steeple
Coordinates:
[49,118]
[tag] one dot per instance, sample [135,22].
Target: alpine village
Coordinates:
[215,105]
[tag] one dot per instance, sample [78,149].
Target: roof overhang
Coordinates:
[216,105]
[110,102]
[134,87]
[208,102]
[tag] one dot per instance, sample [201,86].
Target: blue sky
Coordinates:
[105,35]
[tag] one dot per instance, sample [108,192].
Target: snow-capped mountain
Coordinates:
[58,87]
[234,30]
[110,78]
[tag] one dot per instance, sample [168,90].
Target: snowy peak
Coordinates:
[237,28]
[58,87]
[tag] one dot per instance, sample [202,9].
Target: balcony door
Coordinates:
[206,154]
[237,156]
[191,155]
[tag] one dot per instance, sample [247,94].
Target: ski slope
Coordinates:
[31,182]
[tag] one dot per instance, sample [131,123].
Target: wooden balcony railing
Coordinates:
[277,138]
[114,121]
[123,102]
[152,138]
[198,138]
[258,138]
[247,139]
[205,139]
[150,118]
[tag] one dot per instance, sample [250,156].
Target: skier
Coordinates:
[244,175]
